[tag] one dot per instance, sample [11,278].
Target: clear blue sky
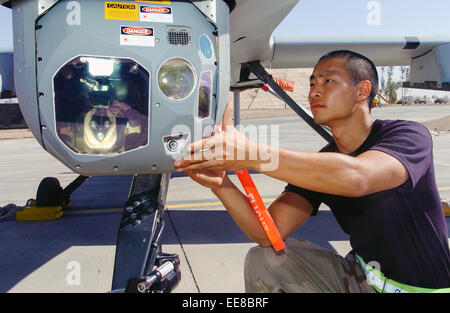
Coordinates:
[5,27]
[397,17]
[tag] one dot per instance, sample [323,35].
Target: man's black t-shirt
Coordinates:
[404,228]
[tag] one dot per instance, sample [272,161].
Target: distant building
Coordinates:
[10,114]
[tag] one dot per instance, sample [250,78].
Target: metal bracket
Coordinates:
[44,5]
[257,69]
[208,8]
[162,279]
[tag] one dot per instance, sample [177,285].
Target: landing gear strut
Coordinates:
[140,265]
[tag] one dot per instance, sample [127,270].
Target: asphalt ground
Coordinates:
[76,253]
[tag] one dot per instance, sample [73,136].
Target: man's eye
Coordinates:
[311,84]
[328,80]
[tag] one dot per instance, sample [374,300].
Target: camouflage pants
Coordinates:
[303,267]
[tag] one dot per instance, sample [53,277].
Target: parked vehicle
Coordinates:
[440,100]
[420,101]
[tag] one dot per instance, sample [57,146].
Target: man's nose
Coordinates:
[315,93]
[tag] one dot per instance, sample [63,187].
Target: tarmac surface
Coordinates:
[43,256]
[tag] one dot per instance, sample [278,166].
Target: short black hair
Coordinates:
[359,67]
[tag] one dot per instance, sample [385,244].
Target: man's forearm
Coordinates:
[241,210]
[332,173]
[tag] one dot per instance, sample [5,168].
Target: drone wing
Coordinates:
[252,38]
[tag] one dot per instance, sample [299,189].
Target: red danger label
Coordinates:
[155,10]
[136,31]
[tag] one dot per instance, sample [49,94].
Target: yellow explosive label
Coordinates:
[121,11]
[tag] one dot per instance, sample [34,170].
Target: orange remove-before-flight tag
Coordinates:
[260,210]
[259,207]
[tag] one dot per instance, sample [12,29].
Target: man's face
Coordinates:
[332,95]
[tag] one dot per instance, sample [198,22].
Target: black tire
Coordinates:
[49,193]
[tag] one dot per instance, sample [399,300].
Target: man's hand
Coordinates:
[209,178]
[225,151]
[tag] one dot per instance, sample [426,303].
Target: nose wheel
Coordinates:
[50,200]
[49,193]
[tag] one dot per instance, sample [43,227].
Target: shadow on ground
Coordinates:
[26,246]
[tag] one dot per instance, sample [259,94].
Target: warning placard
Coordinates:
[156,14]
[137,36]
[121,11]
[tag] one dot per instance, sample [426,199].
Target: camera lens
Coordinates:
[172,145]
[176,79]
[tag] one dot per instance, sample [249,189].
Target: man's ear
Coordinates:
[364,89]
